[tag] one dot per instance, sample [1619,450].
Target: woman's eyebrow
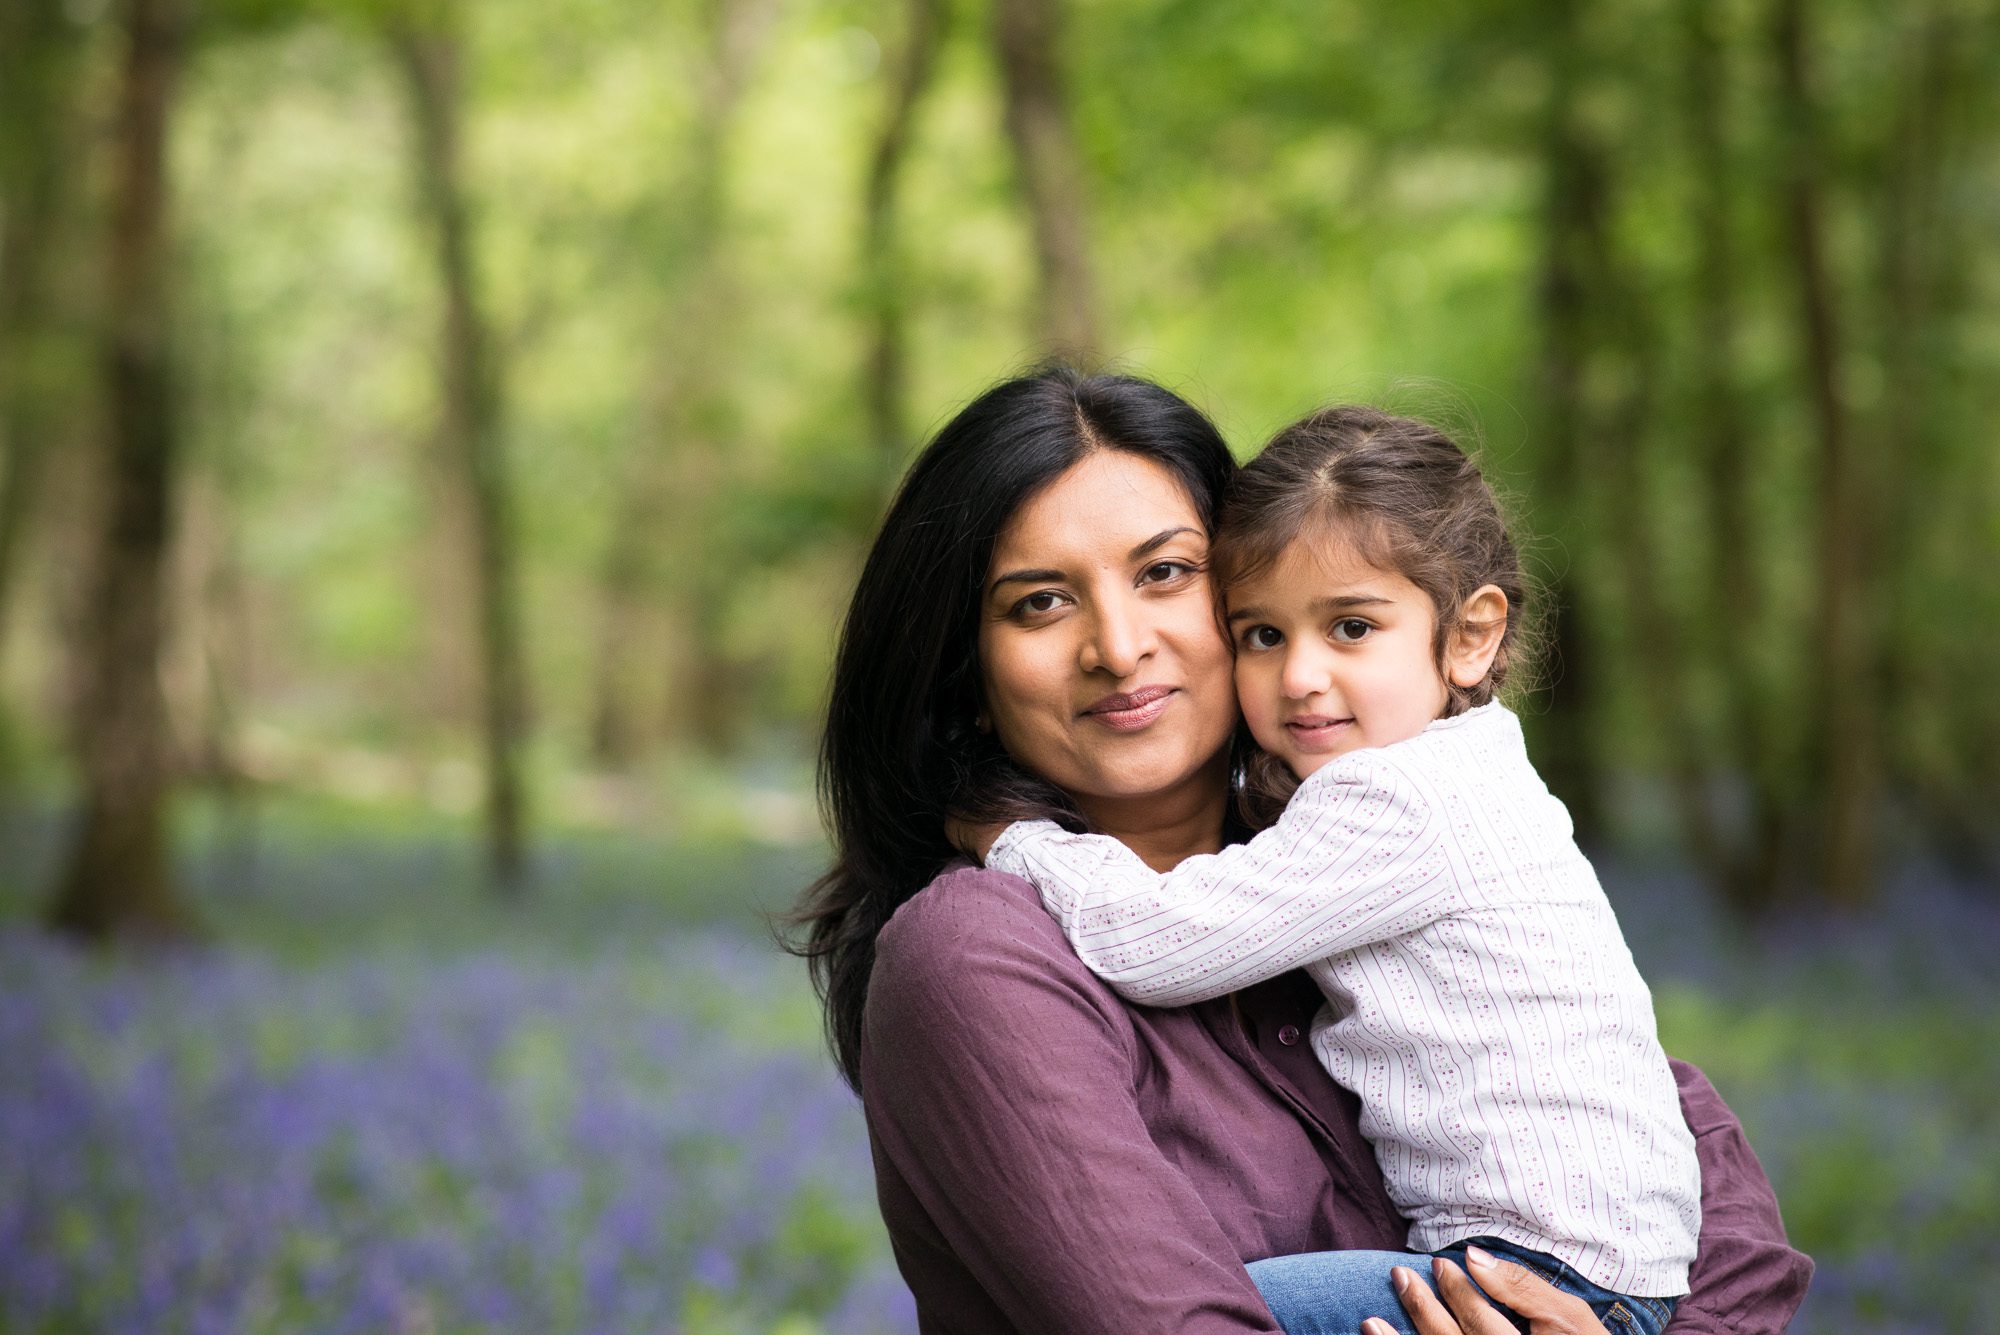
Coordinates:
[1157,541]
[1027,577]
[1143,550]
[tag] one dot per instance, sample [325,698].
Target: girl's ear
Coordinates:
[1482,621]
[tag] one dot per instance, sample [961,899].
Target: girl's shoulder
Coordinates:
[1475,750]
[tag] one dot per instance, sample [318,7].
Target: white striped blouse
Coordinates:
[1481,1001]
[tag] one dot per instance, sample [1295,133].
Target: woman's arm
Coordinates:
[1019,1181]
[1746,1278]
[1358,856]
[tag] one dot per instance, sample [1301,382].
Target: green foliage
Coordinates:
[1288,203]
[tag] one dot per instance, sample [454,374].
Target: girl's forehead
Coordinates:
[1319,566]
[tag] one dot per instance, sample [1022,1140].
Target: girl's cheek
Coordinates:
[1256,693]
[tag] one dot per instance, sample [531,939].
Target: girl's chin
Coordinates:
[1303,763]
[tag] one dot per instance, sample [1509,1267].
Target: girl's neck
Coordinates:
[1165,828]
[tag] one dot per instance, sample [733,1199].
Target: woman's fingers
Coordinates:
[1549,1310]
[1429,1316]
[1467,1303]
[1464,1310]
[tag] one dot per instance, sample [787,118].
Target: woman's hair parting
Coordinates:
[1404,497]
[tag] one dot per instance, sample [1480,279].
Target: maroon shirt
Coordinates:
[1051,1158]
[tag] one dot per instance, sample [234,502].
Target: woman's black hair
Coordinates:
[902,749]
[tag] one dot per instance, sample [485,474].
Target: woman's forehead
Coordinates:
[1107,502]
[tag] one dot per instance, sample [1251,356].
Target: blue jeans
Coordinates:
[1332,1293]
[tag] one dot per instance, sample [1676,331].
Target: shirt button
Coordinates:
[1289,1035]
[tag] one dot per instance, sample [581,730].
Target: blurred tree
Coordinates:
[1027,38]
[1848,750]
[117,879]
[39,55]
[674,473]
[428,46]
[1571,222]
[1925,275]
[885,383]
[1742,862]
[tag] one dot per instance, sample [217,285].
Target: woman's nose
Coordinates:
[1119,641]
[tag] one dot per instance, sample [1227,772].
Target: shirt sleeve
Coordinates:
[999,1080]
[1746,1279]
[1357,857]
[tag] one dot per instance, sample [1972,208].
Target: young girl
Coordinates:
[1481,1002]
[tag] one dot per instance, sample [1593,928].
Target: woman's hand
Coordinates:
[1548,1309]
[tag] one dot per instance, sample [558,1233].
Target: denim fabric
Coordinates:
[1332,1293]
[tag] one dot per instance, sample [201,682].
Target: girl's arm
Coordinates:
[1357,857]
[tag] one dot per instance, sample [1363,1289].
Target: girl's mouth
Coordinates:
[1317,732]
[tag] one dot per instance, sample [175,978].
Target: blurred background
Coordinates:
[437,441]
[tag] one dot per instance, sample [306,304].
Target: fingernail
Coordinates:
[1399,1279]
[1478,1258]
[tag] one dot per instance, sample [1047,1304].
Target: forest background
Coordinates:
[436,442]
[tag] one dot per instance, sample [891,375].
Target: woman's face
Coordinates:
[1103,667]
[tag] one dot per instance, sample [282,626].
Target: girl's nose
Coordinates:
[1304,675]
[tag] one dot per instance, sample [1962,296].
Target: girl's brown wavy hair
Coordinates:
[1404,497]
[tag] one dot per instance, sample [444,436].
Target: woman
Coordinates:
[1033,635]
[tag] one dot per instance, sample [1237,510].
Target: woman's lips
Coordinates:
[1132,710]
[1317,732]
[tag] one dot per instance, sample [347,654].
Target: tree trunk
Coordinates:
[674,474]
[1847,749]
[1570,185]
[1027,36]
[471,430]
[1916,301]
[1743,865]
[886,375]
[117,880]
[36,60]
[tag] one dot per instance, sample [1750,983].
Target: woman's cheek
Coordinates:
[1027,688]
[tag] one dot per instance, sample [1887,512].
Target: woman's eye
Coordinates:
[1350,630]
[1161,571]
[1047,600]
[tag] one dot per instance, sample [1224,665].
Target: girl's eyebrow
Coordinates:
[1343,603]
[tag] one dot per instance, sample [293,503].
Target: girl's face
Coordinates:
[1334,654]
[1103,667]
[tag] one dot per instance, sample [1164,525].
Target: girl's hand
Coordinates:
[975,841]
[1548,1309]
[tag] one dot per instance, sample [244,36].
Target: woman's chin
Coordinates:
[1159,770]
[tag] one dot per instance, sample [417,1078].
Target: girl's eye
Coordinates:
[1350,630]
[1263,637]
